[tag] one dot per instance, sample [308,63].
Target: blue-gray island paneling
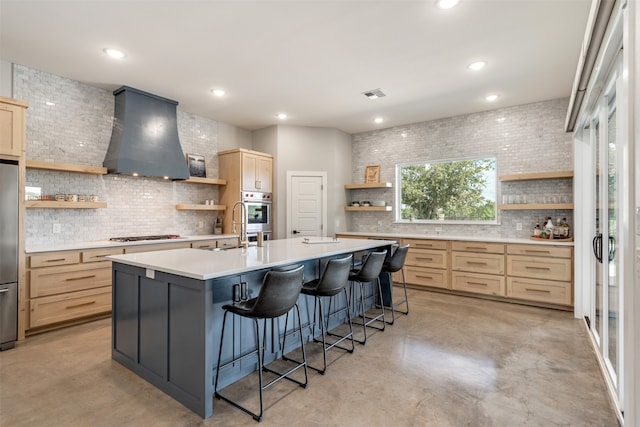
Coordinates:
[167,311]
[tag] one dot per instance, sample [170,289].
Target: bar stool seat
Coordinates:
[333,281]
[393,265]
[369,272]
[278,295]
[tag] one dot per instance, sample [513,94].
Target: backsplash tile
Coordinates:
[526,138]
[70,122]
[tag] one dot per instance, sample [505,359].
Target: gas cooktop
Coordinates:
[138,238]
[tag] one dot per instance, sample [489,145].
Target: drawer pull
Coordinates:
[424,277]
[423,259]
[100,256]
[80,278]
[476,263]
[55,260]
[477,248]
[423,245]
[80,305]
[530,267]
[544,291]
[477,283]
[537,251]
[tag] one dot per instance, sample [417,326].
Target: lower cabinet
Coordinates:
[427,263]
[68,285]
[478,267]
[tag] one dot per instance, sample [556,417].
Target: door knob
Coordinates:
[295,231]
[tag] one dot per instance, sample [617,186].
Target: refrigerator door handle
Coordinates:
[4,291]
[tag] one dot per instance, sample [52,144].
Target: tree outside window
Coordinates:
[458,191]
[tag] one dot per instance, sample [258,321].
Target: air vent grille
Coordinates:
[374,93]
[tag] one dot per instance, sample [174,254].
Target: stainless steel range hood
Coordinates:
[144,139]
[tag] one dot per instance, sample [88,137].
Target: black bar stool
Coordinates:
[331,283]
[395,264]
[368,273]
[278,295]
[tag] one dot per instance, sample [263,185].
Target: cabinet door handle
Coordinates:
[530,267]
[537,290]
[70,279]
[477,283]
[80,305]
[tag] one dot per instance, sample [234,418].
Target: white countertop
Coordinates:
[204,264]
[465,238]
[109,244]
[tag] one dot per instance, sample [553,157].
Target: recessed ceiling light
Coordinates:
[447,4]
[114,53]
[478,65]
[281,116]
[378,120]
[491,97]
[218,92]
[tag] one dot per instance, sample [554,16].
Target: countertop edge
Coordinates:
[457,238]
[109,244]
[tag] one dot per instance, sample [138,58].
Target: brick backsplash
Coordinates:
[69,121]
[526,138]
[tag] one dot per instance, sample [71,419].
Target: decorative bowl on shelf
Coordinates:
[355,203]
[378,203]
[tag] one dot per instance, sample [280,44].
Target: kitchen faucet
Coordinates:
[243,242]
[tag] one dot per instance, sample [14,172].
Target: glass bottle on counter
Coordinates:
[565,226]
[548,228]
[558,230]
[537,230]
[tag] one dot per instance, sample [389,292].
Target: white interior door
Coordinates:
[306,201]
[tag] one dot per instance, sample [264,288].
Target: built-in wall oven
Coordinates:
[258,213]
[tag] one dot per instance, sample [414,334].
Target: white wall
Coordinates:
[6,79]
[230,137]
[297,148]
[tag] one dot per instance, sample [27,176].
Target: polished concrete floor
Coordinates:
[454,361]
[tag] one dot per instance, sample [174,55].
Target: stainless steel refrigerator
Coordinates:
[8,254]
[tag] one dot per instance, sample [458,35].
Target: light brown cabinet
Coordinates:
[12,127]
[243,170]
[478,267]
[540,273]
[68,286]
[427,263]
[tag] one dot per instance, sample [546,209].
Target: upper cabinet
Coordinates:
[243,170]
[12,127]
[257,172]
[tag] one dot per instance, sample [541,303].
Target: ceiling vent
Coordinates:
[374,93]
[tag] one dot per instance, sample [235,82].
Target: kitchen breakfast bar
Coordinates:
[167,310]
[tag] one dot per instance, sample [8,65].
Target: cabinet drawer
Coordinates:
[58,308]
[426,244]
[426,258]
[486,284]
[477,263]
[539,267]
[484,247]
[57,280]
[427,277]
[226,243]
[547,291]
[157,247]
[540,250]
[53,258]
[204,244]
[97,255]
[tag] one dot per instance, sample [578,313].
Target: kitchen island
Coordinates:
[167,310]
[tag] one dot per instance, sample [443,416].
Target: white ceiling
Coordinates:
[311,59]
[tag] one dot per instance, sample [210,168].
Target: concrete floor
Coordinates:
[454,361]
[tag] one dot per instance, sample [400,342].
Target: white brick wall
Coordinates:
[77,129]
[525,138]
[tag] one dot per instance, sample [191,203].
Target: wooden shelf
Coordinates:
[365,186]
[183,207]
[52,204]
[535,206]
[535,176]
[369,208]
[208,181]
[66,167]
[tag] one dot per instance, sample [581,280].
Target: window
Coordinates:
[447,190]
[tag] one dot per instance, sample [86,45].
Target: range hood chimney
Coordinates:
[144,139]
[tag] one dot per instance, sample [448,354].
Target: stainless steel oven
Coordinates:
[258,211]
